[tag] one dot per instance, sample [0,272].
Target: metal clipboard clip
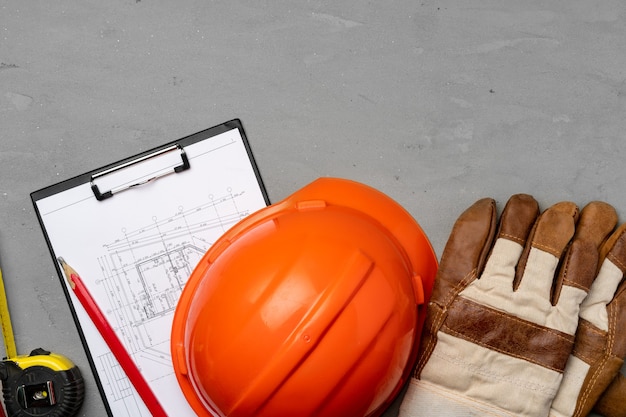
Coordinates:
[142,171]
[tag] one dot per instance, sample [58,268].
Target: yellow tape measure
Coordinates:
[41,383]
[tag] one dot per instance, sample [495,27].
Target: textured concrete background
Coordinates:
[436,103]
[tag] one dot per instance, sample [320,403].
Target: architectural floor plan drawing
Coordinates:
[118,387]
[136,250]
[144,271]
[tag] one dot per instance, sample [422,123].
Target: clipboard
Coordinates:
[135,230]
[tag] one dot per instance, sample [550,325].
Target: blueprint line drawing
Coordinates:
[119,384]
[145,269]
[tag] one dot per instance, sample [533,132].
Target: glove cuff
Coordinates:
[424,399]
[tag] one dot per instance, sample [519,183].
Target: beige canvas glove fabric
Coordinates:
[600,345]
[504,311]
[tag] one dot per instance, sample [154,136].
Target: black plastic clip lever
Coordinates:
[145,177]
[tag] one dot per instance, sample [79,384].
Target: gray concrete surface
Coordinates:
[436,103]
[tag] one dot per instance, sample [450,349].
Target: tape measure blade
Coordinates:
[5,321]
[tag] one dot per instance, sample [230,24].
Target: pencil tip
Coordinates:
[61,260]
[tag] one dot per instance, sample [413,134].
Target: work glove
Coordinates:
[612,403]
[501,321]
[600,345]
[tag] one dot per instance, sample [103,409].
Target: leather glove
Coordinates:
[600,345]
[612,403]
[501,321]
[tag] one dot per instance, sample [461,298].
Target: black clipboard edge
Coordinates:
[86,178]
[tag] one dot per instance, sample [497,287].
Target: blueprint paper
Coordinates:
[136,250]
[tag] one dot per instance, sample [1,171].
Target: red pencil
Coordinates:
[114,343]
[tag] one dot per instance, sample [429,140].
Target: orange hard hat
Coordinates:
[309,307]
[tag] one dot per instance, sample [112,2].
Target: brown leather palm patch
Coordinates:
[507,334]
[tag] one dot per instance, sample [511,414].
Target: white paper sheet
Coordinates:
[136,250]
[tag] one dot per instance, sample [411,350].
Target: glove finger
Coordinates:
[465,251]
[597,220]
[516,222]
[599,342]
[551,235]
[604,293]
[578,270]
[615,247]
[518,217]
